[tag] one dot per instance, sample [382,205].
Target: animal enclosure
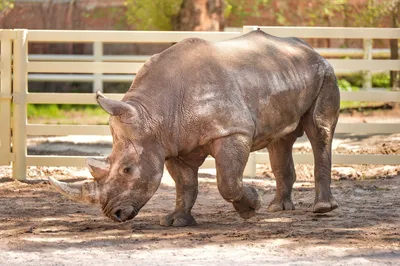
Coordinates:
[15,67]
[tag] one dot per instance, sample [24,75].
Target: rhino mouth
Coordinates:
[121,213]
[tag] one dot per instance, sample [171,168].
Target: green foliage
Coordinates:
[241,9]
[355,79]
[159,14]
[325,11]
[281,18]
[6,4]
[360,14]
[372,13]
[344,85]
[152,15]
[381,80]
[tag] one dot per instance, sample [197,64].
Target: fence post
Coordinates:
[5,97]
[98,56]
[367,75]
[19,104]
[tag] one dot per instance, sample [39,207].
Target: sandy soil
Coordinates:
[40,227]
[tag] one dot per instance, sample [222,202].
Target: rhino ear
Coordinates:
[99,168]
[113,107]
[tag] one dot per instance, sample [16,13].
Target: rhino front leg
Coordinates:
[280,155]
[231,154]
[185,177]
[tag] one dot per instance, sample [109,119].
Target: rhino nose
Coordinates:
[124,213]
[117,215]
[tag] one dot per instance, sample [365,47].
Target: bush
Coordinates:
[355,79]
[345,85]
[381,80]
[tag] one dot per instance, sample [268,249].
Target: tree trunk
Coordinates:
[200,15]
[394,49]
[69,23]
[346,22]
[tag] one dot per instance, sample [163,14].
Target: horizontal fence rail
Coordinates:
[124,36]
[110,68]
[326,52]
[83,67]
[79,78]
[129,68]
[89,98]
[329,32]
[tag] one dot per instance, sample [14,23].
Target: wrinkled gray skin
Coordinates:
[222,99]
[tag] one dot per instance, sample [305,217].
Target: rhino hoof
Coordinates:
[178,220]
[283,205]
[248,204]
[247,215]
[325,206]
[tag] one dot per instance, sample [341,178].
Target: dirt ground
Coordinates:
[40,227]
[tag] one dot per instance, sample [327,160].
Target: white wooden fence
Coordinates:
[15,129]
[99,79]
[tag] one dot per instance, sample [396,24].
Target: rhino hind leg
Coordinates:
[185,177]
[319,124]
[281,159]
[231,154]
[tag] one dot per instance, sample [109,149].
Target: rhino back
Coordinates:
[257,84]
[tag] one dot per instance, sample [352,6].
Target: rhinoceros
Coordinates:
[224,99]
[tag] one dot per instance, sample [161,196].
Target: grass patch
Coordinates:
[66,114]
[358,105]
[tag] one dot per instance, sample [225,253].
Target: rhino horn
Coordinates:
[111,106]
[83,192]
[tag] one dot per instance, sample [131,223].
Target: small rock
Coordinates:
[30,230]
[346,171]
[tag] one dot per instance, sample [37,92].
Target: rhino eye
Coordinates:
[128,170]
